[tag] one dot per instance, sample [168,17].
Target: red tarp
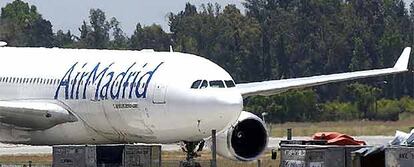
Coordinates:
[335,138]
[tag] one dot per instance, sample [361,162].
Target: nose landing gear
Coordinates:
[191,149]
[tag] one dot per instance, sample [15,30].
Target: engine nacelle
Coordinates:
[245,140]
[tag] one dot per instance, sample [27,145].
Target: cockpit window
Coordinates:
[201,84]
[230,83]
[196,84]
[204,84]
[217,84]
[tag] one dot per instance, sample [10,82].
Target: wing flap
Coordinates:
[34,115]
[267,88]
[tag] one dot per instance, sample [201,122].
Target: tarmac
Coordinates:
[11,149]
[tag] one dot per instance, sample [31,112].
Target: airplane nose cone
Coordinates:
[230,101]
[206,110]
[224,110]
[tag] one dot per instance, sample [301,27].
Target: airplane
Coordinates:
[53,96]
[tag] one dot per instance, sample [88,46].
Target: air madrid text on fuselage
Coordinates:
[125,84]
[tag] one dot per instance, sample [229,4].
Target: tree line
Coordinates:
[271,39]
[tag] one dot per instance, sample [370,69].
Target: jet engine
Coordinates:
[245,140]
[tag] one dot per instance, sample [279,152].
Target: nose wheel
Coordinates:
[191,149]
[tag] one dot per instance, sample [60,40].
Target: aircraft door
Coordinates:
[159,94]
[156,112]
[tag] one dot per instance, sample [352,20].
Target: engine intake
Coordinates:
[245,140]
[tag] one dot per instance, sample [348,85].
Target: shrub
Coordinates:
[334,111]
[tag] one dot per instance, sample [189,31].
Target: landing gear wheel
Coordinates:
[191,149]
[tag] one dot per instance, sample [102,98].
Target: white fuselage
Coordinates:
[117,96]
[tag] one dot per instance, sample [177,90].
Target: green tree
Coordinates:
[234,47]
[96,34]
[261,10]
[298,105]
[64,40]
[150,37]
[120,41]
[101,33]
[227,38]
[185,28]
[22,25]
[364,97]
[336,111]
[360,59]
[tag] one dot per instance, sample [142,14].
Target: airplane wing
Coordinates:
[29,115]
[267,88]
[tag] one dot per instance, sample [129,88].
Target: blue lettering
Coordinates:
[64,82]
[93,77]
[113,82]
[144,92]
[80,80]
[126,84]
[73,85]
[122,74]
[105,88]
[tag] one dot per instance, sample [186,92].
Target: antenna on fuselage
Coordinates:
[171,48]
[2,43]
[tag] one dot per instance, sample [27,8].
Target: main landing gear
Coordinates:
[191,149]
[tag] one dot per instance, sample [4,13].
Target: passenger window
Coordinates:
[230,83]
[196,84]
[204,84]
[217,84]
